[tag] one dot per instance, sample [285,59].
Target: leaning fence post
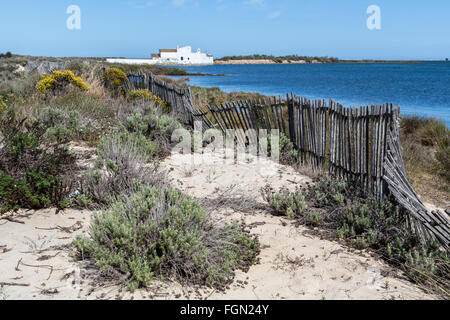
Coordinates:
[291,119]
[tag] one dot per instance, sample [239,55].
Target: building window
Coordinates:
[182,58]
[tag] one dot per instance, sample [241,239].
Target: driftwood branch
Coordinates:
[14,284]
[36,266]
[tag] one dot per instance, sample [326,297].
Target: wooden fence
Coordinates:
[361,144]
[180,99]
[348,142]
[426,224]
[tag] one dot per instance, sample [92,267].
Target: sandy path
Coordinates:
[36,253]
[293,263]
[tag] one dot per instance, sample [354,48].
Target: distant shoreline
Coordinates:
[268,61]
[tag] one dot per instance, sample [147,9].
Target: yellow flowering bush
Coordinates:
[114,76]
[3,105]
[58,80]
[146,95]
[6,101]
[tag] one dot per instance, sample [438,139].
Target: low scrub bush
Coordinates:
[152,123]
[3,105]
[287,152]
[35,191]
[365,223]
[58,81]
[330,192]
[77,67]
[63,126]
[34,173]
[122,167]
[114,76]
[147,95]
[115,79]
[162,233]
[285,202]
[6,55]
[20,87]
[92,108]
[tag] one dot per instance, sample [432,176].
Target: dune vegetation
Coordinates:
[156,230]
[426,151]
[144,228]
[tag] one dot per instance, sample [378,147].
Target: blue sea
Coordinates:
[419,88]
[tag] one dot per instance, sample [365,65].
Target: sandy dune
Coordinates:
[294,263]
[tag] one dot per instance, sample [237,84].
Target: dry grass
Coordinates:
[207,96]
[426,151]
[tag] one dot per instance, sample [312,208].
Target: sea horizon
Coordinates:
[418,88]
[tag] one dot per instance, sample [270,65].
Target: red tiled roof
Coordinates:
[167,50]
[155,55]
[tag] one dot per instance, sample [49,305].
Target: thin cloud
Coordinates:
[142,4]
[274,15]
[255,3]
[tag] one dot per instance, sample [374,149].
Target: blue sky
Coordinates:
[411,29]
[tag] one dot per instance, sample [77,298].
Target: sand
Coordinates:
[295,263]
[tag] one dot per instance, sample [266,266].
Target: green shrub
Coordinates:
[153,124]
[162,233]
[82,201]
[364,222]
[315,217]
[284,202]
[288,154]
[6,55]
[329,192]
[63,126]
[36,191]
[33,173]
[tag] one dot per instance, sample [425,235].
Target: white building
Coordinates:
[183,55]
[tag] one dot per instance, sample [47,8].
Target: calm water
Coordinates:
[419,88]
